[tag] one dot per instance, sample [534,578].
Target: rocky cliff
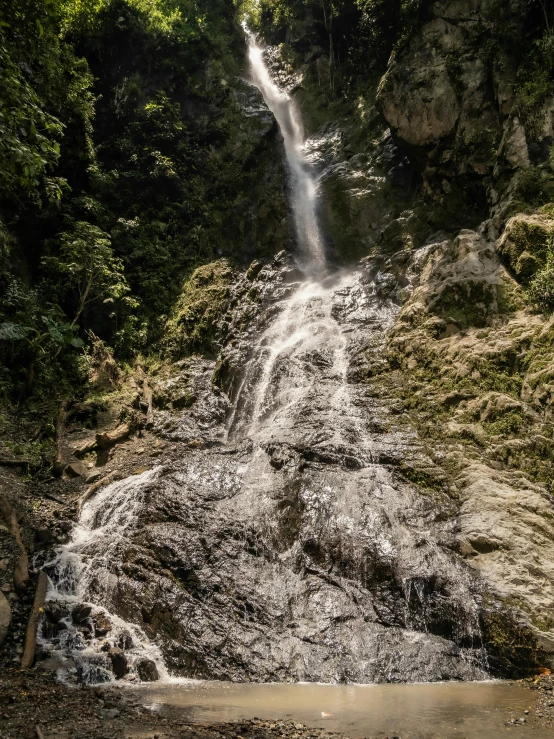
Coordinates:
[418,545]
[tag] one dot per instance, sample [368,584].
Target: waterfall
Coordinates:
[280,382]
[304,185]
[289,549]
[80,621]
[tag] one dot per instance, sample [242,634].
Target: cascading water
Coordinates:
[283,545]
[304,186]
[279,379]
[78,622]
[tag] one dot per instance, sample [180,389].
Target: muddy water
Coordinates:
[424,711]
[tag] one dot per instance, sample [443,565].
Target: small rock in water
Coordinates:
[147,671]
[44,535]
[120,666]
[80,614]
[125,641]
[102,625]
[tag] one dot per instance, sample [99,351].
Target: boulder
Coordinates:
[80,614]
[125,641]
[76,469]
[44,535]
[102,624]
[54,612]
[147,671]
[120,665]
[417,96]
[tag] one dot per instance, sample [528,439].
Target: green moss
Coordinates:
[525,245]
[512,648]
[534,186]
[535,87]
[466,304]
[426,479]
[509,298]
[193,325]
[510,423]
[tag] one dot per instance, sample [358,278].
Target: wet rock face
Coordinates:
[493,424]
[147,671]
[319,574]
[286,545]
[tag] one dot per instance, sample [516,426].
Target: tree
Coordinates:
[93,272]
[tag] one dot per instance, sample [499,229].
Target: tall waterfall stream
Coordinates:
[296,553]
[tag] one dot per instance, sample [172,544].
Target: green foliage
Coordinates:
[88,266]
[160,16]
[31,339]
[29,136]
[522,35]
[118,173]
[534,187]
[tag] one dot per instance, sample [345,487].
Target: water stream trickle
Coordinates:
[80,623]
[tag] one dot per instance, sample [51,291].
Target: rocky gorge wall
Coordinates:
[438,180]
[452,206]
[469,359]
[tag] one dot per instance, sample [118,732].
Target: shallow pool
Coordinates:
[433,711]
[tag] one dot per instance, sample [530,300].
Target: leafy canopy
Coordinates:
[87,260]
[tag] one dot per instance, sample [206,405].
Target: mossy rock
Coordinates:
[525,244]
[203,300]
[512,647]
[465,303]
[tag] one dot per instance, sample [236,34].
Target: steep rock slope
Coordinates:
[478,360]
[401,528]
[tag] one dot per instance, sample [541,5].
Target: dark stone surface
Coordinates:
[147,670]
